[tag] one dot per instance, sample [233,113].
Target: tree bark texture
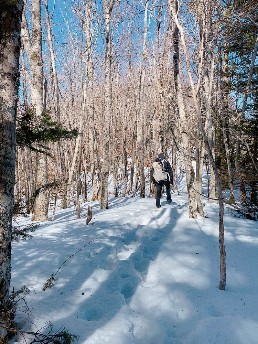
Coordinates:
[105,163]
[10,25]
[195,88]
[33,47]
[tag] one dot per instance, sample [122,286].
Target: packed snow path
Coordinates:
[137,274]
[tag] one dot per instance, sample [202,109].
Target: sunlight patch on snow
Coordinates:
[156,310]
[127,251]
[160,302]
[87,289]
[236,279]
[225,329]
[181,306]
[63,312]
[109,232]
[141,276]
[163,220]
[181,269]
[195,278]
[36,283]
[51,231]
[247,238]
[229,236]
[92,283]
[118,330]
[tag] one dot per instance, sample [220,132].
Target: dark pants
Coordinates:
[159,186]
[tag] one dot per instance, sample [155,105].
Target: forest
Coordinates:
[92,90]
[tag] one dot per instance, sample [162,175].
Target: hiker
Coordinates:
[162,176]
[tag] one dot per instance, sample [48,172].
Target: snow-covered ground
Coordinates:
[140,275]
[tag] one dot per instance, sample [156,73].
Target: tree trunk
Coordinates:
[52,63]
[224,113]
[125,163]
[77,149]
[198,179]
[196,101]
[187,158]
[140,144]
[34,51]
[10,26]
[105,165]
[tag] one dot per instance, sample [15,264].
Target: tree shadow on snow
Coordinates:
[108,270]
[114,260]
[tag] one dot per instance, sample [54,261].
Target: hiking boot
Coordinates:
[169,201]
[158,206]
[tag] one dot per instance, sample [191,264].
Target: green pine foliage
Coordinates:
[238,42]
[36,133]
[22,232]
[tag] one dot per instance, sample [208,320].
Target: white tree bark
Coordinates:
[33,47]
[224,114]
[140,144]
[52,62]
[194,207]
[105,163]
[10,22]
[195,91]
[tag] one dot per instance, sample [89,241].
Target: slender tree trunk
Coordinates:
[224,118]
[52,63]
[132,172]
[190,175]
[10,26]
[108,7]
[34,51]
[140,110]
[125,163]
[95,185]
[115,181]
[25,80]
[198,179]
[72,169]
[79,185]
[194,91]
[84,186]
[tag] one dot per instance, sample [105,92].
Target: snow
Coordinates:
[140,275]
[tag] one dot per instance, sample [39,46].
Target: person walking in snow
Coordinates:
[162,175]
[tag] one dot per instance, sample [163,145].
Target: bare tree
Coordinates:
[105,151]
[33,47]
[195,92]
[53,72]
[183,118]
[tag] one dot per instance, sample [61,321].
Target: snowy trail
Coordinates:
[139,275]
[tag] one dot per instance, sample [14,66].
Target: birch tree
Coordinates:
[105,152]
[33,47]
[53,72]
[195,89]
[10,25]
[183,120]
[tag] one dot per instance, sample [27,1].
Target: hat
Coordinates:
[161,156]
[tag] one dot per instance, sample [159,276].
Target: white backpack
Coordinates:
[159,174]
